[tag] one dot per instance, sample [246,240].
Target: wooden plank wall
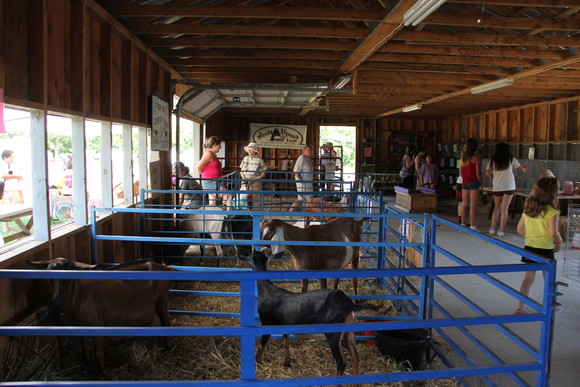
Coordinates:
[71,57]
[538,124]
[235,131]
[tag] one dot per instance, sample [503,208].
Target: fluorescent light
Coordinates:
[420,10]
[410,108]
[342,81]
[492,86]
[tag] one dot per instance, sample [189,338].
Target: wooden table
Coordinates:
[15,213]
[520,196]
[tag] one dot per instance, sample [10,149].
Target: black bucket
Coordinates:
[404,344]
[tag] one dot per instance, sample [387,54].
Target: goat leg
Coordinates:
[323,283]
[304,285]
[261,348]
[333,340]
[349,338]
[100,352]
[287,359]
[336,281]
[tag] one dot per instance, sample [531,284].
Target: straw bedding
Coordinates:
[207,358]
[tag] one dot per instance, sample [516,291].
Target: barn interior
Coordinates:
[433,77]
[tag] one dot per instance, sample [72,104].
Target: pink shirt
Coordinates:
[213,169]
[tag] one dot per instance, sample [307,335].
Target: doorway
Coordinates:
[343,138]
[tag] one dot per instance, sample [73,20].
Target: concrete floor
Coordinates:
[566,342]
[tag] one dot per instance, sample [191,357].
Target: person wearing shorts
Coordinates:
[500,167]
[469,168]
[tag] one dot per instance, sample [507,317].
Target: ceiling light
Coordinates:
[410,108]
[342,81]
[418,12]
[492,86]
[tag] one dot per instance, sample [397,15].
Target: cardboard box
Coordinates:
[415,201]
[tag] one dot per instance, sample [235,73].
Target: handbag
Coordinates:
[1,188]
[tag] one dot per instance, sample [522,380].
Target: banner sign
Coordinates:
[160,139]
[278,136]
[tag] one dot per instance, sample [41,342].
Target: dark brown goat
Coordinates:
[317,257]
[90,302]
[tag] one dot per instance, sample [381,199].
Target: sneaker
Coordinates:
[518,311]
[558,308]
[500,234]
[474,228]
[491,231]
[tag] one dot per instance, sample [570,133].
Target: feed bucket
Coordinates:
[404,344]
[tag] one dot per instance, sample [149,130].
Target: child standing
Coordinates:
[429,173]
[539,226]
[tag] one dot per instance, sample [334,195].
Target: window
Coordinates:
[17,198]
[60,164]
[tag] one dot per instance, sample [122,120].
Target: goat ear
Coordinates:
[82,266]
[38,264]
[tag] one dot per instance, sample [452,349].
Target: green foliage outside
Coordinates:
[344,136]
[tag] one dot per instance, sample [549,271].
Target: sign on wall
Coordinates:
[278,136]
[160,138]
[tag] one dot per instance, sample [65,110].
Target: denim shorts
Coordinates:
[472,185]
[210,185]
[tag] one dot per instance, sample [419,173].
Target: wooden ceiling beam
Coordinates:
[486,39]
[372,82]
[523,74]
[459,50]
[385,30]
[366,74]
[437,68]
[499,22]
[240,12]
[447,59]
[304,44]
[245,30]
[245,71]
[238,62]
[195,53]
[521,3]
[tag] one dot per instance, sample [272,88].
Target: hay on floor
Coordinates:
[215,358]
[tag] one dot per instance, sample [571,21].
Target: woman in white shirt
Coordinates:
[501,166]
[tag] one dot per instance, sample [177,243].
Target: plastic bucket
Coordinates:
[404,344]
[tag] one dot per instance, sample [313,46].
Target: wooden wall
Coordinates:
[556,122]
[235,130]
[549,123]
[72,57]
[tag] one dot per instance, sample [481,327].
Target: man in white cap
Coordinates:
[328,163]
[252,169]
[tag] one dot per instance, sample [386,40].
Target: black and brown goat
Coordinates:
[278,306]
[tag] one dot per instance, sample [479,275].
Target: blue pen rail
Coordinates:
[433,292]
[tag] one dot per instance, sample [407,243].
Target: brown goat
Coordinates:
[317,257]
[90,302]
[317,204]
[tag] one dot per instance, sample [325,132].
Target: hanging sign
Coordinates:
[278,136]
[160,138]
